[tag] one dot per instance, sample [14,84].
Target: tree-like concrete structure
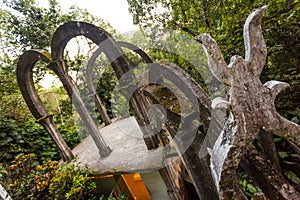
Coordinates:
[251,105]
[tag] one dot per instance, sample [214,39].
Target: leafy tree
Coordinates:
[222,19]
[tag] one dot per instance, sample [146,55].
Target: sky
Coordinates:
[114,11]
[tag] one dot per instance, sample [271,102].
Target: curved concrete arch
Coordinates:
[99,36]
[25,65]
[89,77]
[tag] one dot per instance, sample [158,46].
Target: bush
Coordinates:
[40,142]
[24,178]
[18,137]
[11,141]
[73,182]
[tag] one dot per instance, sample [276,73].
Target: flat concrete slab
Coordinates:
[129,152]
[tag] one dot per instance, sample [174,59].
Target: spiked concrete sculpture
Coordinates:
[251,104]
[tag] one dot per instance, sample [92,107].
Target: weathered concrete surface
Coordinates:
[129,152]
[250,106]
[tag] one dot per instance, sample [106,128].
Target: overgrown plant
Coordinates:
[24,178]
[73,182]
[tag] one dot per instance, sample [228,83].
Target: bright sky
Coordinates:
[113,11]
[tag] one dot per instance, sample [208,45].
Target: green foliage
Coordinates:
[105,85]
[289,160]
[29,137]
[11,99]
[40,142]
[20,134]
[292,176]
[72,182]
[248,185]
[11,141]
[70,134]
[59,104]
[24,178]
[120,197]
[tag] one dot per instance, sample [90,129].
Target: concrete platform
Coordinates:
[129,152]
